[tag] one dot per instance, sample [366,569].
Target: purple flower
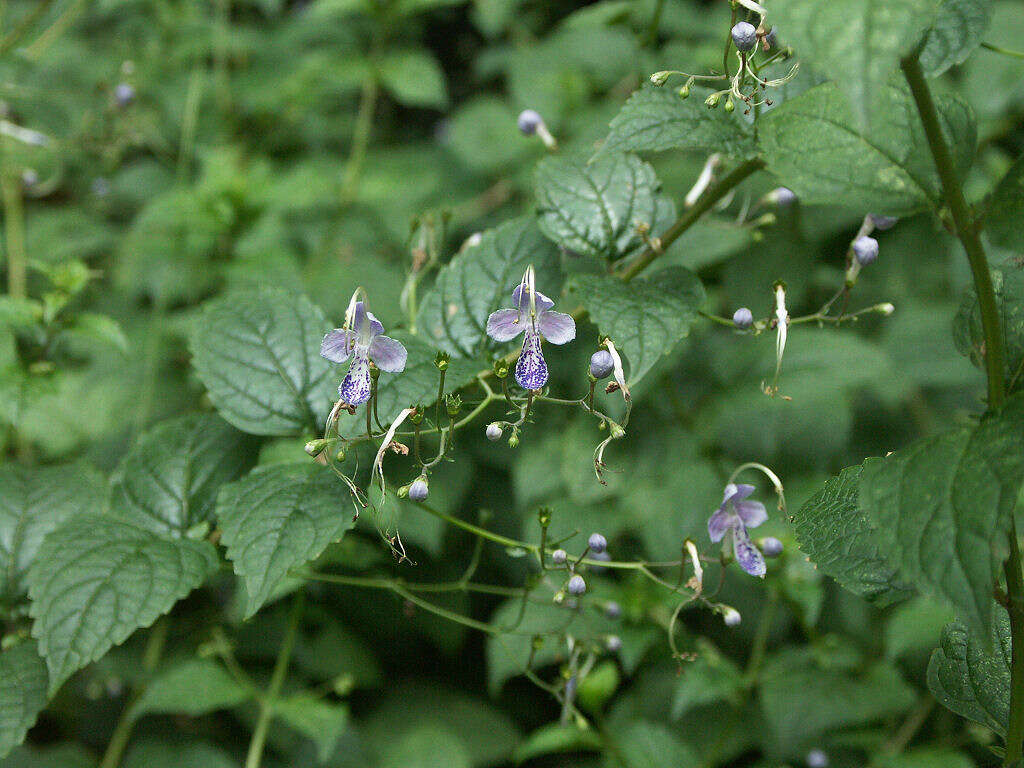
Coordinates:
[535,319]
[737,514]
[363,341]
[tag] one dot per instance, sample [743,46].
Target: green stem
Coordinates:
[123,729]
[713,194]
[11,38]
[14,224]
[1004,51]
[259,735]
[361,136]
[995,371]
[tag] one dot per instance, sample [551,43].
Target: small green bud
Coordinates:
[416,417]
[340,456]
[544,516]
[616,430]
[712,101]
[513,442]
[316,447]
[659,78]
[729,106]
[684,92]
[403,491]
[441,361]
[500,369]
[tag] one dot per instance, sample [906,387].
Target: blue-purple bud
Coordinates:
[865,250]
[493,431]
[124,94]
[883,222]
[601,364]
[731,617]
[771,546]
[744,35]
[613,610]
[817,758]
[597,543]
[577,586]
[559,556]
[529,121]
[742,318]
[783,196]
[29,178]
[613,643]
[418,490]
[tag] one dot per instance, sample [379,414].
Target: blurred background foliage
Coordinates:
[189,147]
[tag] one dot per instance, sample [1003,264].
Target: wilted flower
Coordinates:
[737,514]
[362,339]
[533,316]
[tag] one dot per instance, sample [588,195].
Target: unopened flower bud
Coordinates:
[316,447]
[597,543]
[529,121]
[771,546]
[615,430]
[124,94]
[493,431]
[865,250]
[883,222]
[601,364]
[782,196]
[731,616]
[729,106]
[712,101]
[613,610]
[29,178]
[500,369]
[419,490]
[513,442]
[559,556]
[684,92]
[660,78]
[817,758]
[613,643]
[742,318]
[744,36]
[576,586]
[340,456]
[544,516]
[441,361]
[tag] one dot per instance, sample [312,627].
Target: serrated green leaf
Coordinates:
[839,537]
[480,279]
[319,720]
[1005,208]
[595,209]
[956,31]
[169,481]
[969,337]
[193,687]
[35,501]
[858,42]
[814,146]
[277,518]
[414,78]
[941,509]
[23,686]
[971,679]
[555,738]
[258,353]
[656,119]
[96,580]
[645,318]
[101,328]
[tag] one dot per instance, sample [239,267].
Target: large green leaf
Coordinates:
[426,747]
[1008,284]
[277,518]
[941,509]
[971,679]
[23,682]
[414,78]
[323,722]
[645,318]
[169,481]
[814,145]
[858,42]
[193,687]
[596,208]
[1005,209]
[839,537]
[174,754]
[804,697]
[258,353]
[956,31]
[651,745]
[34,501]
[96,579]
[480,279]
[656,119]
